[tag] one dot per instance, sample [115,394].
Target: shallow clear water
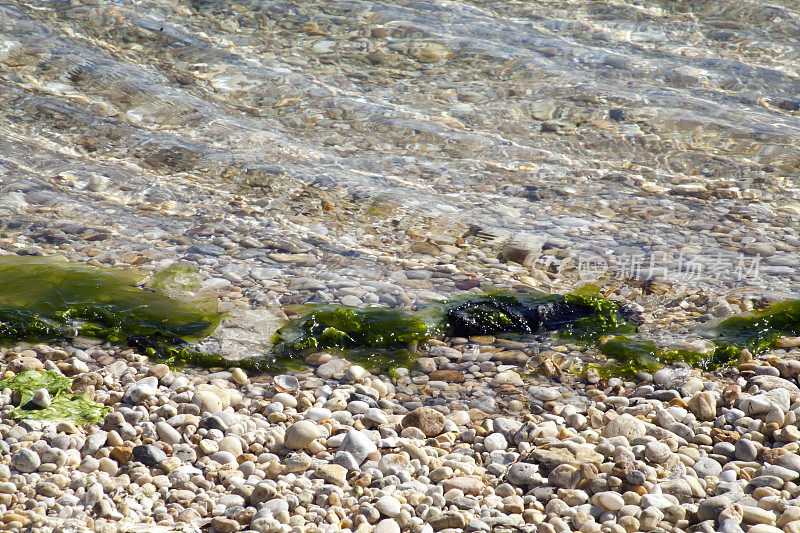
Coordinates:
[569,120]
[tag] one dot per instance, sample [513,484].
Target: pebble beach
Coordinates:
[395,154]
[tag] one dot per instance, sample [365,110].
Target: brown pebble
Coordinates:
[379,33]
[224,525]
[621,468]
[159,371]
[450,376]
[724,435]
[466,284]
[770,455]
[121,454]
[318,358]
[428,420]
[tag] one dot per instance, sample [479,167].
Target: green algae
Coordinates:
[64,405]
[46,298]
[43,298]
[383,338]
[333,326]
[759,331]
[756,332]
[375,337]
[605,318]
[632,355]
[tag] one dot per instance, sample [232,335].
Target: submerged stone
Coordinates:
[352,327]
[45,298]
[582,315]
[374,337]
[760,330]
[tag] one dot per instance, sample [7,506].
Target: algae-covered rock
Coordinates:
[379,336]
[63,405]
[373,337]
[46,297]
[633,355]
[352,327]
[760,329]
[582,315]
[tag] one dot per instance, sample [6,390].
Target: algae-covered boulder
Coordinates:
[379,336]
[760,329]
[332,326]
[46,297]
[583,315]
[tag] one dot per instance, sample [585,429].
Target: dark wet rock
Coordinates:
[148,455]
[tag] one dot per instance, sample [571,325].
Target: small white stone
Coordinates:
[386,525]
[358,444]
[609,500]
[25,460]
[625,425]
[42,398]
[232,444]
[286,399]
[755,405]
[356,373]
[318,413]
[388,506]
[657,452]
[507,377]
[168,433]
[544,394]
[207,401]
[659,501]
[141,390]
[108,466]
[358,407]
[377,416]
[300,434]
[495,441]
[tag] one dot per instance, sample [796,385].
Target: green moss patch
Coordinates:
[759,331]
[43,298]
[633,355]
[756,332]
[378,337]
[64,405]
[47,298]
[383,338]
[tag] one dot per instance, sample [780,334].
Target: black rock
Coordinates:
[489,316]
[148,455]
[616,114]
